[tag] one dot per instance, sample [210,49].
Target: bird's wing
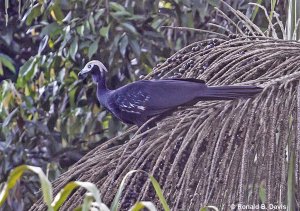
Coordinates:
[152,97]
[131,100]
[172,93]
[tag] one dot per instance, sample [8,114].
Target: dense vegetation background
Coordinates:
[48,117]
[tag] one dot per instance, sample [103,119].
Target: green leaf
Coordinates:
[113,48]
[93,48]
[123,45]
[115,203]
[259,2]
[67,190]
[68,17]
[74,48]
[52,29]
[27,67]
[7,62]
[63,194]
[119,11]
[9,117]
[92,188]
[87,27]
[207,208]
[31,14]
[15,176]
[262,193]
[92,23]
[43,44]
[129,28]
[273,4]
[56,12]
[143,204]
[135,47]
[165,5]
[72,93]
[79,208]
[87,202]
[80,30]
[99,13]
[116,7]
[27,71]
[159,193]
[104,31]
[122,15]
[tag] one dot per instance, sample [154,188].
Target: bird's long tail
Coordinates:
[230,92]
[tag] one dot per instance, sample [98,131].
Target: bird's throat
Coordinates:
[101,86]
[102,93]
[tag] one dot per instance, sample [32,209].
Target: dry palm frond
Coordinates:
[214,153]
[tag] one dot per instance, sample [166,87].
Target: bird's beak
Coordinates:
[83,74]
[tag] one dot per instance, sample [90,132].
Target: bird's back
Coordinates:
[138,101]
[155,96]
[172,93]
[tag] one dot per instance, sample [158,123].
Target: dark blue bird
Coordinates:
[137,102]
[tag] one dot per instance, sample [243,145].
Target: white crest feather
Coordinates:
[99,64]
[87,69]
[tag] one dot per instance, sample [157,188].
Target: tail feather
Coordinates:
[230,92]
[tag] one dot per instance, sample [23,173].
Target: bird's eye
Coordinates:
[89,66]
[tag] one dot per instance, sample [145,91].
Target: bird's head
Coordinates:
[95,68]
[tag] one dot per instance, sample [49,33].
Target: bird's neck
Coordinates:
[102,91]
[101,86]
[101,83]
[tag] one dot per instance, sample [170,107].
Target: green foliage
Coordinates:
[69,33]
[93,194]
[259,2]
[207,208]
[262,192]
[92,197]
[143,204]
[115,203]
[15,176]
[47,110]
[6,61]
